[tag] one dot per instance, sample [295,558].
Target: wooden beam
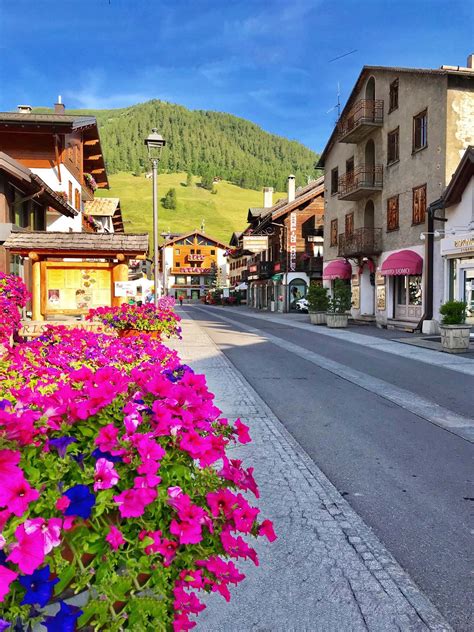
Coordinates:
[96,157]
[89,143]
[58,160]
[98,171]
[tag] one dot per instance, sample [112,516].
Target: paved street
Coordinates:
[391,426]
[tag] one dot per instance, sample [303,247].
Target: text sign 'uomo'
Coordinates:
[255,243]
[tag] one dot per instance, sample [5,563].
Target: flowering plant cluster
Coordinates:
[13,296]
[139,317]
[166,302]
[90,181]
[116,483]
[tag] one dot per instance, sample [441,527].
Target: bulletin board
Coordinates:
[75,288]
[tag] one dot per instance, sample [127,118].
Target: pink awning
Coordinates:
[402,263]
[337,269]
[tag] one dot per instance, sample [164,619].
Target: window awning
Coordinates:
[337,269]
[402,263]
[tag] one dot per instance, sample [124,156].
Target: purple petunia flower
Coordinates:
[39,587]
[82,501]
[61,444]
[65,620]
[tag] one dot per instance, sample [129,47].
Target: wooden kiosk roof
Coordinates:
[79,244]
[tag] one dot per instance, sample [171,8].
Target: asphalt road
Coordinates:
[410,480]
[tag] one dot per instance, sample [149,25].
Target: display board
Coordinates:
[76,289]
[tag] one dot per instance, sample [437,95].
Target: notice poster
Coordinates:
[356,297]
[77,289]
[381,298]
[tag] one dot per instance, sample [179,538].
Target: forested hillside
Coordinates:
[208,144]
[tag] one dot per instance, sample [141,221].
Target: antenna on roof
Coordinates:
[338,104]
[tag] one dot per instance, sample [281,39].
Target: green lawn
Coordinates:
[223,213]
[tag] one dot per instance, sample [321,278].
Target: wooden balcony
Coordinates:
[360,183]
[260,270]
[362,242]
[363,118]
[313,265]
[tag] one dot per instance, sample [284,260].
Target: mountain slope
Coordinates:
[222,213]
[201,142]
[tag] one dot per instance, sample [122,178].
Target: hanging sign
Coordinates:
[292,242]
[381,298]
[255,243]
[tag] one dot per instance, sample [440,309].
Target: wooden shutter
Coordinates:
[392,213]
[419,205]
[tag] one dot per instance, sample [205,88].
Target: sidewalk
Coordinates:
[327,572]
[388,341]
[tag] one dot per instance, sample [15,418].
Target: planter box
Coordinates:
[337,320]
[317,318]
[455,338]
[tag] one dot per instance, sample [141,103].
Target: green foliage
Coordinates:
[170,199]
[341,300]
[453,312]
[207,181]
[317,298]
[201,142]
[189,179]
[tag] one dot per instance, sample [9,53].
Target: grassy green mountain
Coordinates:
[223,213]
[204,143]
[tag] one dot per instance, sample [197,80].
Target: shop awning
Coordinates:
[338,269]
[277,277]
[241,287]
[402,263]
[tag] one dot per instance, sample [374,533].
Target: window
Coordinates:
[178,251]
[69,197]
[393,139]
[213,252]
[420,131]
[419,205]
[334,180]
[333,232]
[349,225]
[392,213]
[178,264]
[393,96]
[39,218]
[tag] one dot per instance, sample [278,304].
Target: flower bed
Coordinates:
[139,318]
[116,484]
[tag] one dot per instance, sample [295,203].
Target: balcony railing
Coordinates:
[361,242]
[313,265]
[359,183]
[360,121]
[193,257]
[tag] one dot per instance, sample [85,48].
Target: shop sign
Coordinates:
[381,298]
[195,270]
[452,246]
[292,242]
[255,243]
[379,278]
[355,280]
[125,288]
[253,268]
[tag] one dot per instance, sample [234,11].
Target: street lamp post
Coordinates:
[155,143]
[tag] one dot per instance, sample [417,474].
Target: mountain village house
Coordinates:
[50,166]
[286,239]
[192,264]
[397,142]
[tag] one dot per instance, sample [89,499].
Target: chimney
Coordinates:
[291,188]
[24,109]
[267,197]
[59,106]
[470,61]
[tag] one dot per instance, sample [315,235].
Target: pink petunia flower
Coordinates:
[51,530]
[16,494]
[28,552]
[6,578]
[115,538]
[242,432]
[105,475]
[266,529]
[132,502]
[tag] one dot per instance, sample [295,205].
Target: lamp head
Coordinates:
[155,143]
[422,236]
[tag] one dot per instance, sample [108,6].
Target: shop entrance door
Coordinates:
[408,298]
[469,295]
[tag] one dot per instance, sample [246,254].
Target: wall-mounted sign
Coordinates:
[195,270]
[381,304]
[75,287]
[452,245]
[355,280]
[125,288]
[292,242]
[379,279]
[356,297]
[255,243]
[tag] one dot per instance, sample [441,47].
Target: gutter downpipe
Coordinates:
[432,208]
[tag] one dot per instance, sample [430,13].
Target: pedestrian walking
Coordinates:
[181,301]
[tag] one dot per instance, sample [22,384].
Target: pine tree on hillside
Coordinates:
[189,179]
[170,199]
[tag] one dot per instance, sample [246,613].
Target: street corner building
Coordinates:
[398,141]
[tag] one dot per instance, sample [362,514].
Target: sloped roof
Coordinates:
[69,120]
[195,232]
[460,178]
[51,242]
[17,170]
[101,207]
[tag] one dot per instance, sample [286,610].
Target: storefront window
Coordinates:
[469,294]
[452,278]
[297,290]
[414,290]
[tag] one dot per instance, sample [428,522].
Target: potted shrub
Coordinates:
[339,305]
[318,302]
[455,334]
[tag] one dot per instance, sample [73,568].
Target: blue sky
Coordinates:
[267,61]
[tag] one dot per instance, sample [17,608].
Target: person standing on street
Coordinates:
[181,301]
